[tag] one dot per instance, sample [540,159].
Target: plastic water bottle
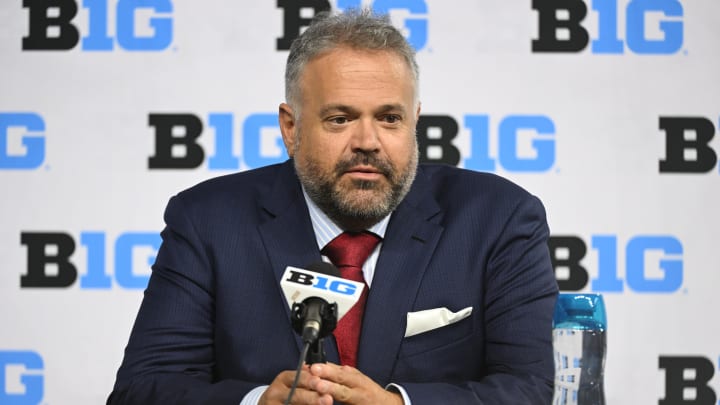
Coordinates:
[579,344]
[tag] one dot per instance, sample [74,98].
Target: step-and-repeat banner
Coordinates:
[608,110]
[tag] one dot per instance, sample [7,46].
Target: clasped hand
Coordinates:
[320,384]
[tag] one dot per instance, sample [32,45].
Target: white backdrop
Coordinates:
[87,177]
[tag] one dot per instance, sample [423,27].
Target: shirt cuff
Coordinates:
[253,397]
[401,391]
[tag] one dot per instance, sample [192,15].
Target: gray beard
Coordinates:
[347,212]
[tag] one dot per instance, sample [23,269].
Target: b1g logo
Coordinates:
[687,145]
[22,140]
[21,377]
[49,254]
[51,25]
[524,143]
[177,136]
[298,14]
[568,252]
[321,283]
[561,29]
[686,380]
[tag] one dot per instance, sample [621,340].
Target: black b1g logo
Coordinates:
[687,145]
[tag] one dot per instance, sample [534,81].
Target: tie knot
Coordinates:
[351,248]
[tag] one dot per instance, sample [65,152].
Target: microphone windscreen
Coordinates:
[324,268]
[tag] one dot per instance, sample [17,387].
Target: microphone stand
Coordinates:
[316,354]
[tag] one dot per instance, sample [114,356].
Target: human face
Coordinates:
[354,146]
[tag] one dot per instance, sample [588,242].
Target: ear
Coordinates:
[417,112]
[288,127]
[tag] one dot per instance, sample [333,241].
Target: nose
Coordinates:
[365,136]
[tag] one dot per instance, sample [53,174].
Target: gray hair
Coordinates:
[357,29]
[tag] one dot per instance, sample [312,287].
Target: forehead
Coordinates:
[346,73]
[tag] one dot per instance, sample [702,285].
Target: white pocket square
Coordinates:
[429,319]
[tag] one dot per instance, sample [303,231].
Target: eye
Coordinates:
[391,118]
[339,120]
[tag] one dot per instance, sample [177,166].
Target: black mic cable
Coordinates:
[313,319]
[306,347]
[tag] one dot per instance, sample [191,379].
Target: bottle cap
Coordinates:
[580,311]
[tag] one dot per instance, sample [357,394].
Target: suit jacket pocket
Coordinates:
[460,359]
[436,338]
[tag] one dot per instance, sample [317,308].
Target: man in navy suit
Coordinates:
[461,289]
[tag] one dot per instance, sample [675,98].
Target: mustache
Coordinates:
[383,166]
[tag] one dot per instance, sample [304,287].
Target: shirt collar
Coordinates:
[327,230]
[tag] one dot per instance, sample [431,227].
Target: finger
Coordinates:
[344,375]
[345,384]
[301,396]
[309,397]
[279,389]
[339,392]
[288,378]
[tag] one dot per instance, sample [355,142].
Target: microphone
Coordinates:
[318,298]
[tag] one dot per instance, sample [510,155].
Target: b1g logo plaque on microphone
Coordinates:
[318,298]
[298,284]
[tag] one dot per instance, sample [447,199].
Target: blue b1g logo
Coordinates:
[177,137]
[126,273]
[415,25]
[29,152]
[561,30]
[48,16]
[413,13]
[25,387]
[568,253]
[525,143]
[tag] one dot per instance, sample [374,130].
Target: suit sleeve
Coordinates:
[519,302]
[169,358]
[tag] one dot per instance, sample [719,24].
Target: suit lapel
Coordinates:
[408,245]
[288,235]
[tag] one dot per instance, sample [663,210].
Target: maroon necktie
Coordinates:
[348,252]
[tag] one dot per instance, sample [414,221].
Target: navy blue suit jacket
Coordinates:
[214,323]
